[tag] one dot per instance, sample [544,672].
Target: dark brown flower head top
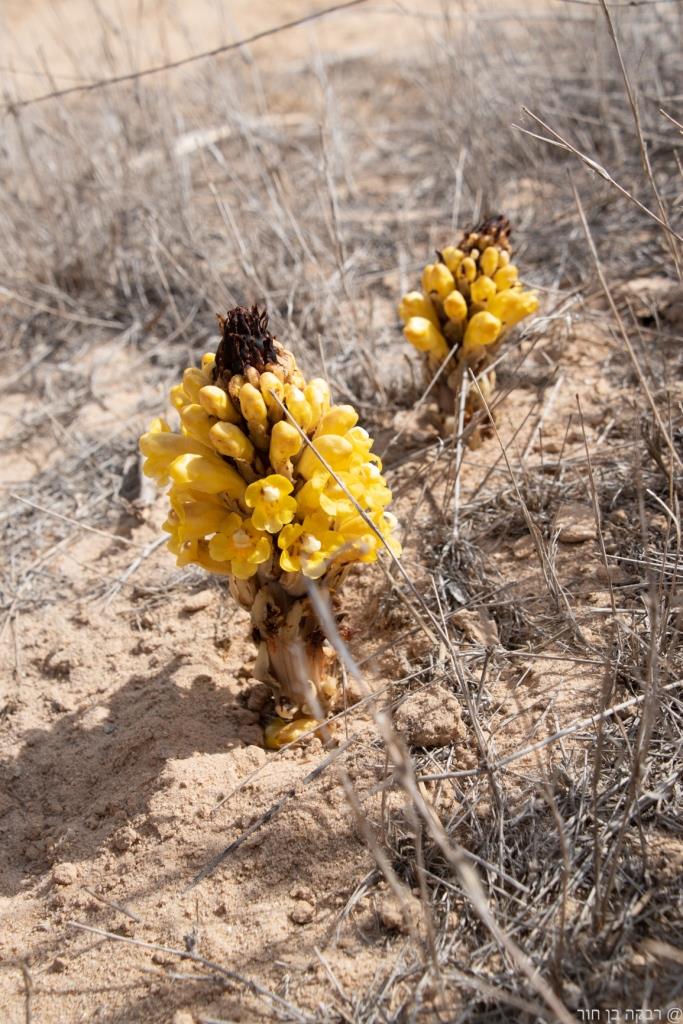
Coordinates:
[246,342]
[492,231]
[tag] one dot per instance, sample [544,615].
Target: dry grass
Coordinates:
[126,224]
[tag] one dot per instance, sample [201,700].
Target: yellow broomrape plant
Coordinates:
[470,299]
[252,500]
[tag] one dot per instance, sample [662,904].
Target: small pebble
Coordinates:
[65,874]
[575,524]
[303,912]
[196,602]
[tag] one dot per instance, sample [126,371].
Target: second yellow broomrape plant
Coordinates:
[471,298]
[251,500]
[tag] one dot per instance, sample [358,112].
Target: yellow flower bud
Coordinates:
[488,261]
[503,258]
[482,289]
[317,393]
[455,306]
[297,405]
[196,423]
[179,397]
[208,474]
[436,277]
[235,385]
[193,380]
[467,271]
[216,402]
[255,413]
[425,337]
[452,257]
[285,443]
[506,277]
[208,363]
[159,426]
[482,330]
[271,385]
[228,439]
[417,304]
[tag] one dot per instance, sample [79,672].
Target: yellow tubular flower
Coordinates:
[280,732]
[203,558]
[335,450]
[468,322]
[309,547]
[308,498]
[271,502]
[207,474]
[360,439]
[193,517]
[251,501]
[362,542]
[337,420]
[159,426]
[161,448]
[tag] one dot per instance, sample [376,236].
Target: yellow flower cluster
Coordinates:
[471,298]
[250,499]
[231,513]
